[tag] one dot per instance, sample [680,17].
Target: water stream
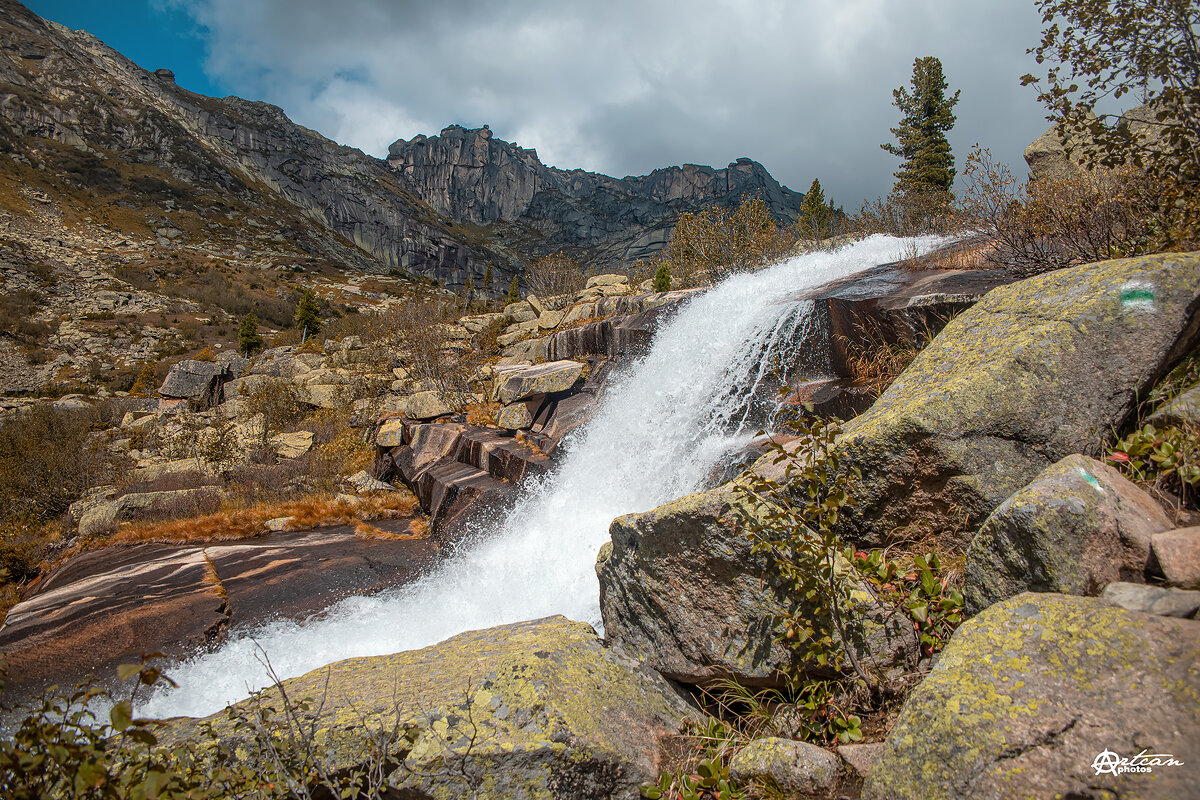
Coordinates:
[664,424]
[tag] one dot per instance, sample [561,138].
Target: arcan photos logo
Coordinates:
[1109,763]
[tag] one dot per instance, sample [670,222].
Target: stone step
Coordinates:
[448,488]
[499,455]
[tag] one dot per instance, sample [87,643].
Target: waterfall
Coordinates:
[664,424]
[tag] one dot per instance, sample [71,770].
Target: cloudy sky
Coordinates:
[618,86]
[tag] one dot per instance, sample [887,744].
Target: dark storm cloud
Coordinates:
[624,87]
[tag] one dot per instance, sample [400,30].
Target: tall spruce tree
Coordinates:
[308,314]
[928,167]
[514,292]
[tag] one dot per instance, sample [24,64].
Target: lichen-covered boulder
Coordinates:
[554,376]
[291,445]
[1032,692]
[797,769]
[195,380]
[1035,371]
[529,710]
[514,417]
[682,588]
[1077,527]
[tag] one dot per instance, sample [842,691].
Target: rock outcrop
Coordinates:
[1035,691]
[1035,371]
[1077,527]
[534,710]
[471,176]
[681,587]
[405,213]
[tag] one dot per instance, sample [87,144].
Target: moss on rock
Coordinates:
[1029,692]
[532,710]
[1035,371]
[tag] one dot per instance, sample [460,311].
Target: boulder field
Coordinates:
[989,439]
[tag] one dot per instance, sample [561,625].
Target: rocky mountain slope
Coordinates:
[78,110]
[140,221]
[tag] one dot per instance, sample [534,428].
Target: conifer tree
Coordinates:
[308,317]
[248,339]
[487,282]
[468,291]
[514,292]
[928,167]
[815,213]
[662,277]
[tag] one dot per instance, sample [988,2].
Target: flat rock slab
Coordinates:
[529,710]
[1028,696]
[107,607]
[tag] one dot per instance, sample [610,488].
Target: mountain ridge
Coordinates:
[69,87]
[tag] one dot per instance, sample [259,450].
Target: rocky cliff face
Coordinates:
[475,178]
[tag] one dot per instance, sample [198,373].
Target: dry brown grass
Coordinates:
[482,414]
[960,255]
[875,360]
[250,522]
[365,530]
[213,579]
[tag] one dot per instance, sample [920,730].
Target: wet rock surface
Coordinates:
[107,607]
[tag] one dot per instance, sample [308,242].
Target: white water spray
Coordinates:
[663,426]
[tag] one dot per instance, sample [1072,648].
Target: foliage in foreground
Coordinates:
[830,690]
[61,749]
[1099,51]
[1165,457]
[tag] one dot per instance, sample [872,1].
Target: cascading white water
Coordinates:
[663,426]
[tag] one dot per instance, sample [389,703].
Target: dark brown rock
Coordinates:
[107,607]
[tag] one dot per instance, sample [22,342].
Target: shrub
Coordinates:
[1166,458]
[1056,222]
[907,214]
[709,245]
[793,522]
[59,748]
[662,277]
[276,400]
[554,275]
[48,458]
[419,329]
